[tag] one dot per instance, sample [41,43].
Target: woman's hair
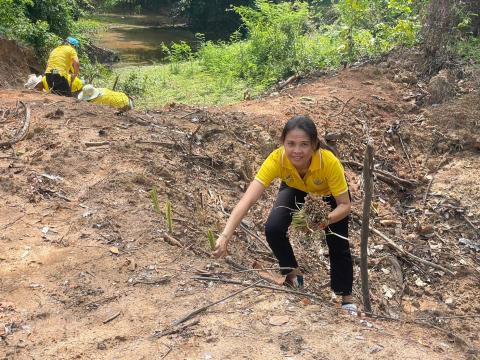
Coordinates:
[304,123]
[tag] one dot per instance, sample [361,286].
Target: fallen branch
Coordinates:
[227,281]
[470,223]
[440,164]
[113,317]
[20,134]
[405,151]
[288,81]
[202,309]
[404,252]
[173,330]
[172,241]
[160,281]
[97,143]
[159,143]
[343,107]
[385,176]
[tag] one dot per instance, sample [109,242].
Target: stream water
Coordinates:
[138,38]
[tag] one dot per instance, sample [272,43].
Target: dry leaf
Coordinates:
[114,250]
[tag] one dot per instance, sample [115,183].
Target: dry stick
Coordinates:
[406,253]
[288,81]
[172,330]
[202,309]
[343,107]
[115,83]
[470,223]
[114,316]
[20,134]
[384,176]
[367,201]
[192,138]
[440,164]
[97,143]
[405,151]
[172,241]
[227,281]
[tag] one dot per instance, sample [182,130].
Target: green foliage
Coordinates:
[176,53]
[57,13]
[39,36]
[469,49]
[169,216]
[192,84]
[211,240]
[134,85]
[155,202]
[373,27]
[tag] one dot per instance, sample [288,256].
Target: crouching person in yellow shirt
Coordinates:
[103,96]
[40,83]
[60,61]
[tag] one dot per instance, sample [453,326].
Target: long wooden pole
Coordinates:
[367,201]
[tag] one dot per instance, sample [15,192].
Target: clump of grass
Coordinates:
[211,239]
[312,215]
[169,216]
[154,197]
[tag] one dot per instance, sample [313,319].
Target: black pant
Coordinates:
[276,232]
[57,84]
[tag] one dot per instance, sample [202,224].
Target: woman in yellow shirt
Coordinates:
[303,168]
[103,96]
[60,61]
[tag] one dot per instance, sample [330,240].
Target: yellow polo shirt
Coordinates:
[61,58]
[325,176]
[115,99]
[76,87]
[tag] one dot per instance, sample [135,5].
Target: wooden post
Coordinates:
[368,189]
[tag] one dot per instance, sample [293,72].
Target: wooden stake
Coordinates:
[367,201]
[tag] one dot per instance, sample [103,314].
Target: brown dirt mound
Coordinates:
[17,62]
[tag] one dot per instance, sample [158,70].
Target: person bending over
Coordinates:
[303,168]
[39,83]
[61,60]
[103,96]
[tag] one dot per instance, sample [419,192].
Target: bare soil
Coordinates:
[85,271]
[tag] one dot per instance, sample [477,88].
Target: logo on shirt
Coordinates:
[317,182]
[288,179]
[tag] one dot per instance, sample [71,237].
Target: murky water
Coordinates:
[138,38]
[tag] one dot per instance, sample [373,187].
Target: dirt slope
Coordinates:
[86,272]
[16,63]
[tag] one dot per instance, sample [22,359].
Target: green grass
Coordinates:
[183,82]
[469,49]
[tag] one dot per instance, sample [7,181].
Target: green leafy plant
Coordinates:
[154,197]
[134,85]
[211,239]
[169,216]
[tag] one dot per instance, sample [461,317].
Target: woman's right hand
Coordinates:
[221,247]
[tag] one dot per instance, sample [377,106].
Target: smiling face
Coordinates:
[299,149]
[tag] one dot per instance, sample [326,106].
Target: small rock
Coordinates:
[450,302]
[278,320]
[420,283]
[101,346]
[376,348]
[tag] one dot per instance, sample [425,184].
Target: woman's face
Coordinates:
[298,148]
